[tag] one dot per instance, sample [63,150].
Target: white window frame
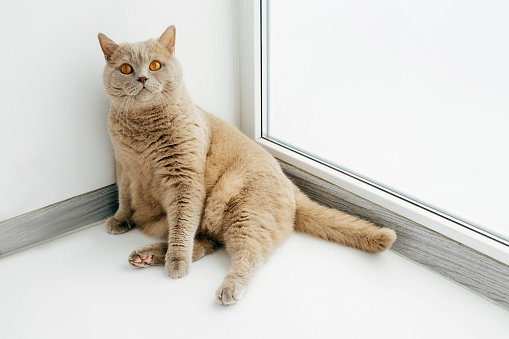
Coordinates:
[252,106]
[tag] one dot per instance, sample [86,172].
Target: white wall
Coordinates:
[53,138]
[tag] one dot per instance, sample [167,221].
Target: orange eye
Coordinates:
[154,66]
[126,69]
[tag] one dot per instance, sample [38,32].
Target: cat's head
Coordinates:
[143,72]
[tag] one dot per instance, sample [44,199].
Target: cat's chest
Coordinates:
[127,143]
[158,151]
[135,157]
[138,158]
[160,147]
[137,142]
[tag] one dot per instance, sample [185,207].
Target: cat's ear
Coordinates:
[107,45]
[168,39]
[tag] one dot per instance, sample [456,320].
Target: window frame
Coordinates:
[252,91]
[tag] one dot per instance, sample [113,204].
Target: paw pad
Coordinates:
[140,260]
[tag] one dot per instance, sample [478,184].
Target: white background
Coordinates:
[413,95]
[53,110]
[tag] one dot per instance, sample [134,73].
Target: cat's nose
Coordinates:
[142,79]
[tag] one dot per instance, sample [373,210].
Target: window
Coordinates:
[411,97]
[403,104]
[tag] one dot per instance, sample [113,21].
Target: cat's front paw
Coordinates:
[116,226]
[177,267]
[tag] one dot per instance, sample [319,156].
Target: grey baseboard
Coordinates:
[50,222]
[479,273]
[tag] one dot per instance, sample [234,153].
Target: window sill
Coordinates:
[473,262]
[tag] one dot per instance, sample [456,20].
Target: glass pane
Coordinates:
[412,95]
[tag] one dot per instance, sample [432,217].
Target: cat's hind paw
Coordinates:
[229,293]
[148,255]
[140,260]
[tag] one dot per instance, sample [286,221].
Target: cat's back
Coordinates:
[230,146]
[231,152]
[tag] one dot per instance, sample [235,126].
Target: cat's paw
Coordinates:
[116,226]
[229,293]
[149,255]
[140,260]
[177,268]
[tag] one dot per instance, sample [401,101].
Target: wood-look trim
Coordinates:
[474,270]
[50,222]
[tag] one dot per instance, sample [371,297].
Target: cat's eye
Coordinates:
[126,69]
[154,65]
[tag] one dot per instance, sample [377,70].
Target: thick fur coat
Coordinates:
[198,183]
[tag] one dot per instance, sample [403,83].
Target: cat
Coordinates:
[197,182]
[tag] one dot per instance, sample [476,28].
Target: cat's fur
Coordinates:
[197,182]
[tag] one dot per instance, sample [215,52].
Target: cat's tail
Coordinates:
[339,227]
